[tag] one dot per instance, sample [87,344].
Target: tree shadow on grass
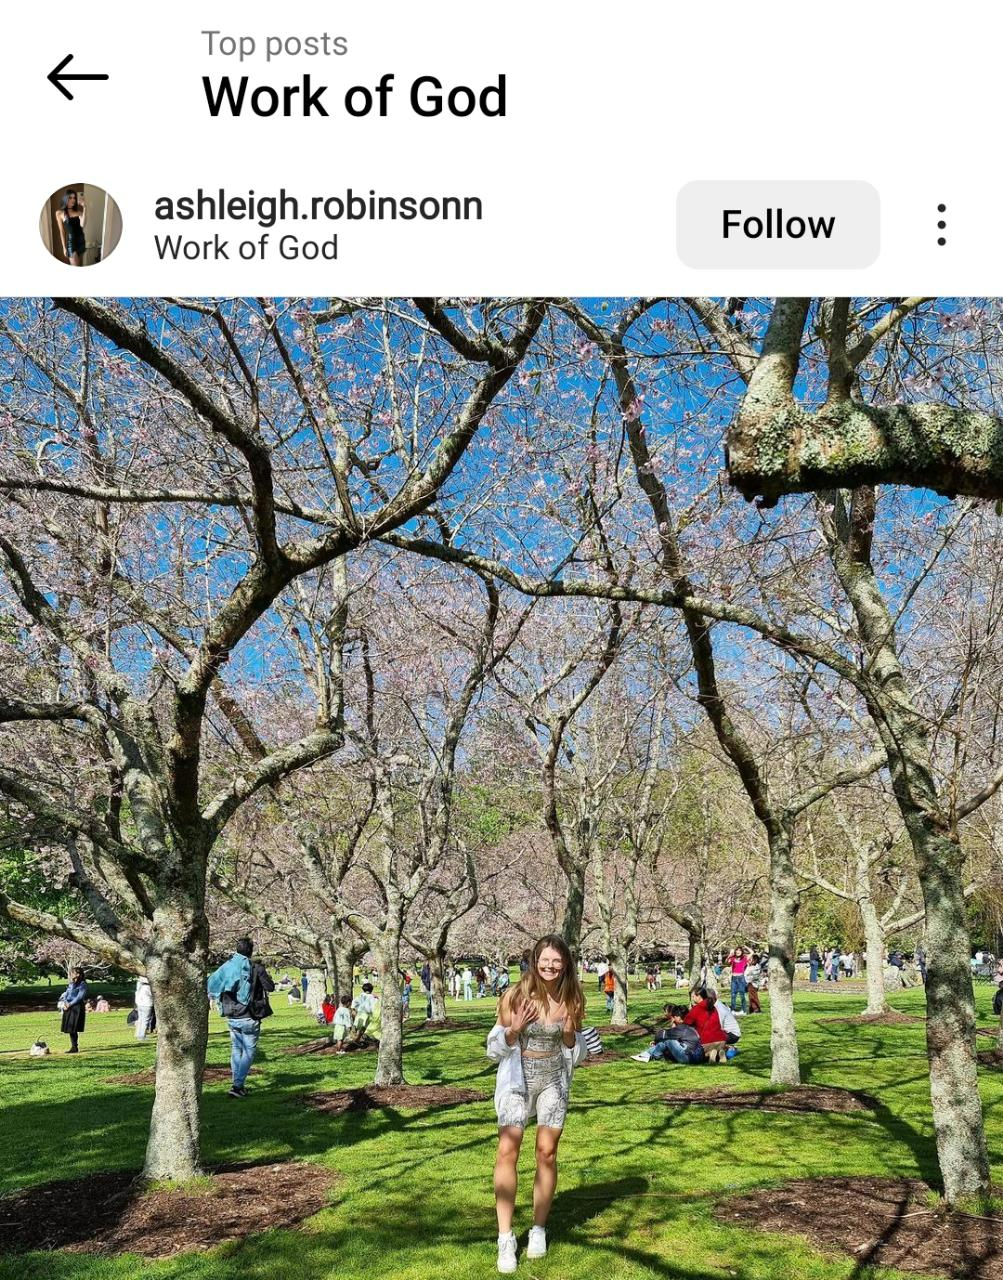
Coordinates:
[98,1126]
[729,1126]
[110,1213]
[575,1220]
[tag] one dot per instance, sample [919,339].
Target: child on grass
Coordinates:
[342,1022]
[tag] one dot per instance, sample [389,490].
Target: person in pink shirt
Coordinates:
[739,962]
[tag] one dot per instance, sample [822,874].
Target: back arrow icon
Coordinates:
[56,76]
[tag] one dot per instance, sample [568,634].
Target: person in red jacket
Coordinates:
[328,1008]
[703,1017]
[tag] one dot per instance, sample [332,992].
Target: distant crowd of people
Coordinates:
[832,964]
[706,1031]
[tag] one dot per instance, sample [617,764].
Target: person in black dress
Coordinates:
[73,1003]
[72,218]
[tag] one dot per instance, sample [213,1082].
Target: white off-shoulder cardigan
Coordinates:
[510,1078]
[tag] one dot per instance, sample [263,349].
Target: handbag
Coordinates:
[133,1018]
[593,1041]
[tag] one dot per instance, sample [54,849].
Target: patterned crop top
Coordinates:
[542,1039]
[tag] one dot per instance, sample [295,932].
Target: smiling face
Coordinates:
[550,964]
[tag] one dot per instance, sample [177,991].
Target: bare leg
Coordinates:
[546,1173]
[506,1175]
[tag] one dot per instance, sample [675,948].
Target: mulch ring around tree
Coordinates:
[597,1059]
[890,1019]
[990,1058]
[326,1045]
[113,1213]
[444,1024]
[797,1099]
[884,1222]
[211,1075]
[631,1029]
[371,1097]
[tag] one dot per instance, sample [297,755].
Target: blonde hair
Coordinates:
[530,985]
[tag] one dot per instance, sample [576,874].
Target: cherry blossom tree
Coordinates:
[551,679]
[866,872]
[813,590]
[169,470]
[706,858]
[605,578]
[436,915]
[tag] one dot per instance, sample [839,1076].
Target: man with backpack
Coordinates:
[241,988]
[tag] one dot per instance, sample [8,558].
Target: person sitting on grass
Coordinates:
[703,1015]
[730,1024]
[102,1005]
[342,1022]
[362,1007]
[678,1041]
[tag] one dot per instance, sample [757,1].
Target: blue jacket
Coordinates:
[235,970]
[75,993]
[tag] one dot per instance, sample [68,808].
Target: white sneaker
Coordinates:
[537,1247]
[739,1013]
[645,1056]
[507,1254]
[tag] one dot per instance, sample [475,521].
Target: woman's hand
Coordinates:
[523,1013]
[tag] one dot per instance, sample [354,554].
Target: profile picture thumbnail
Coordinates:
[80,224]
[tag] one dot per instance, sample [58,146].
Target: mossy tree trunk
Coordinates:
[390,1056]
[786,1061]
[957,1109]
[437,966]
[177,973]
[777,446]
[874,958]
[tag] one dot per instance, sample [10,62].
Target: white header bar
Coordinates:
[565,135]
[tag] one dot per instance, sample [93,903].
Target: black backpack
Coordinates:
[257,1005]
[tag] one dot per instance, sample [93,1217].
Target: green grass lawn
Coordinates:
[638,1178]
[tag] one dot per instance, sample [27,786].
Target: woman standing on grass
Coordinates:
[537,1044]
[73,1003]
